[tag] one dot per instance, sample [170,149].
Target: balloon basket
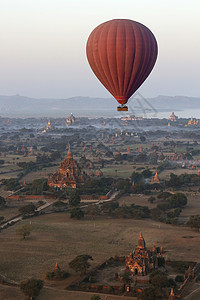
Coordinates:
[122,108]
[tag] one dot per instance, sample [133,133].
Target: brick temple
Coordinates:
[142,261]
[69,174]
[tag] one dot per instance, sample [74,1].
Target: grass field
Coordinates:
[57,238]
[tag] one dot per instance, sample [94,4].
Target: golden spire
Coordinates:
[56,267]
[141,242]
[172,296]
[69,154]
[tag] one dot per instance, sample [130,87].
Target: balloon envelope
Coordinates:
[122,54]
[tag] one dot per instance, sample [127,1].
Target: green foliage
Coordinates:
[23,231]
[37,187]
[31,287]
[93,210]
[183,179]
[96,186]
[58,274]
[164,195]
[146,173]
[76,213]
[1,219]
[158,279]
[109,207]
[126,276]
[132,211]
[151,199]
[27,209]
[2,202]
[150,293]
[142,138]
[177,200]
[164,206]
[140,187]
[171,283]
[179,278]
[180,266]
[74,198]
[80,263]
[136,177]
[28,166]
[55,155]
[123,185]
[198,278]
[11,184]
[95,297]
[161,261]
[194,222]
[60,204]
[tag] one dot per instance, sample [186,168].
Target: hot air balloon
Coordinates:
[122,54]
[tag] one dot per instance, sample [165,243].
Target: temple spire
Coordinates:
[172,296]
[69,154]
[141,242]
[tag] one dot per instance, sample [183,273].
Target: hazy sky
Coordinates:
[42,45]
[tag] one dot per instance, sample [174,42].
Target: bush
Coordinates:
[74,198]
[179,278]
[27,209]
[95,297]
[31,287]
[151,199]
[77,213]
[56,275]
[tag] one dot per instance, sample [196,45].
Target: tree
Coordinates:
[178,200]
[174,180]
[31,287]
[123,185]
[151,199]
[80,263]
[136,177]
[147,173]
[76,213]
[27,209]
[150,293]
[158,279]
[126,276]
[2,201]
[95,297]
[142,138]
[194,222]
[74,198]
[24,231]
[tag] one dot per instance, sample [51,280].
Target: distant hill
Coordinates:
[24,106]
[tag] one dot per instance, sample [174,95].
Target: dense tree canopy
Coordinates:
[80,263]
[74,198]
[31,287]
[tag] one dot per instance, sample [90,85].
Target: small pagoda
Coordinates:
[172,296]
[141,261]
[69,174]
[156,179]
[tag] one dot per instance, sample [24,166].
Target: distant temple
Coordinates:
[48,127]
[68,176]
[173,117]
[156,179]
[70,120]
[141,261]
[192,122]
